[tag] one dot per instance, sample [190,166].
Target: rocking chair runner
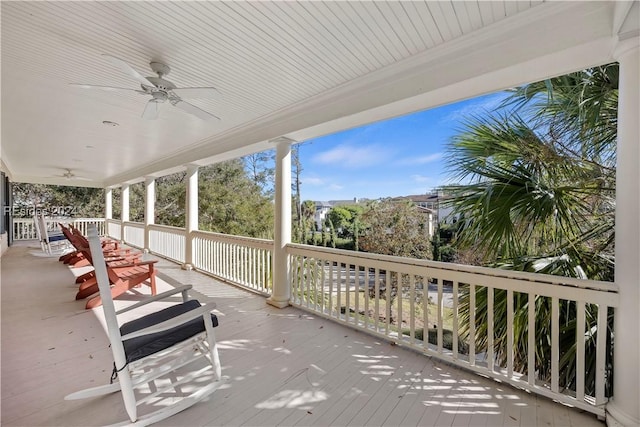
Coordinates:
[154,346]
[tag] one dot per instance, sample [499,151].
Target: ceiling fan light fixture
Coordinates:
[159,97]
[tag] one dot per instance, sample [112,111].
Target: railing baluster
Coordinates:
[531,336]
[454,338]
[356,293]
[601,353]
[509,333]
[472,324]
[425,314]
[412,311]
[387,302]
[331,311]
[347,297]
[376,301]
[339,289]
[323,308]
[399,300]
[490,321]
[440,302]
[580,311]
[367,286]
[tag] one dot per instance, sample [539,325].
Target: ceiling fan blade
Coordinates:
[151,110]
[197,92]
[128,69]
[192,109]
[108,88]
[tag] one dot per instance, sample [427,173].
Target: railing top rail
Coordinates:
[248,241]
[168,228]
[87,219]
[133,224]
[359,257]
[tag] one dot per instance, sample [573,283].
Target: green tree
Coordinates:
[539,196]
[296,170]
[260,168]
[231,202]
[57,200]
[395,228]
[340,217]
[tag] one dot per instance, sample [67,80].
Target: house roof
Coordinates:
[284,69]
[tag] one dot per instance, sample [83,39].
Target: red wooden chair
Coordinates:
[123,275]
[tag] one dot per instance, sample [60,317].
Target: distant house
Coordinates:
[320,215]
[437,202]
[323,208]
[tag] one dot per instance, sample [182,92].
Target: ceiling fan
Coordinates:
[161,90]
[68,174]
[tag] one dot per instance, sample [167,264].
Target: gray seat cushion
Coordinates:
[137,348]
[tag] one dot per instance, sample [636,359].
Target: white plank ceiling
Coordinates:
[264,57]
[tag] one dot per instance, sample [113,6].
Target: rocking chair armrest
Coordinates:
[203,310]
[132,264]
[184,289]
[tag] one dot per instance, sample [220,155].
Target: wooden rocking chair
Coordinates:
[154,346]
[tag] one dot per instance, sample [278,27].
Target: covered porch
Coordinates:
[286,366]
[290,72]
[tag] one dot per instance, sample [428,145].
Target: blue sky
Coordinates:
[395,157]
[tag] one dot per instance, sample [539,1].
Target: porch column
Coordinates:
[149,208]
[624,408]
[281,292]
[125,209]
[191,213]
[108,203]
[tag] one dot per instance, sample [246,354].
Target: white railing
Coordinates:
[24,229]
[114,228]
[241,260]
[168,242]
[438,308]
[83,224]
[134,234]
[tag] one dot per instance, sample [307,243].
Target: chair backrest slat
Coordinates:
[107,301]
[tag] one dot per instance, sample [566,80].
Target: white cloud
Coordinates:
[336,187]
[312,181]
[479,107]
[421,178]
[422,160]
[354,156]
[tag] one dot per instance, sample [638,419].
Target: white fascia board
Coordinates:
[548,40]
[56,181]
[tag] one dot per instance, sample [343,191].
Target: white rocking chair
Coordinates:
[154,346]
[48,240]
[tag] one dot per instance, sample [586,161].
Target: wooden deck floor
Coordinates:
[286,367]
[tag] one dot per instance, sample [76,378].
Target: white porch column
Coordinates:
[281,292]
[149,208]
[125,209]
[108,203]
[624,408]
[191,213]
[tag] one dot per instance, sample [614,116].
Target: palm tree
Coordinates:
[538,195]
